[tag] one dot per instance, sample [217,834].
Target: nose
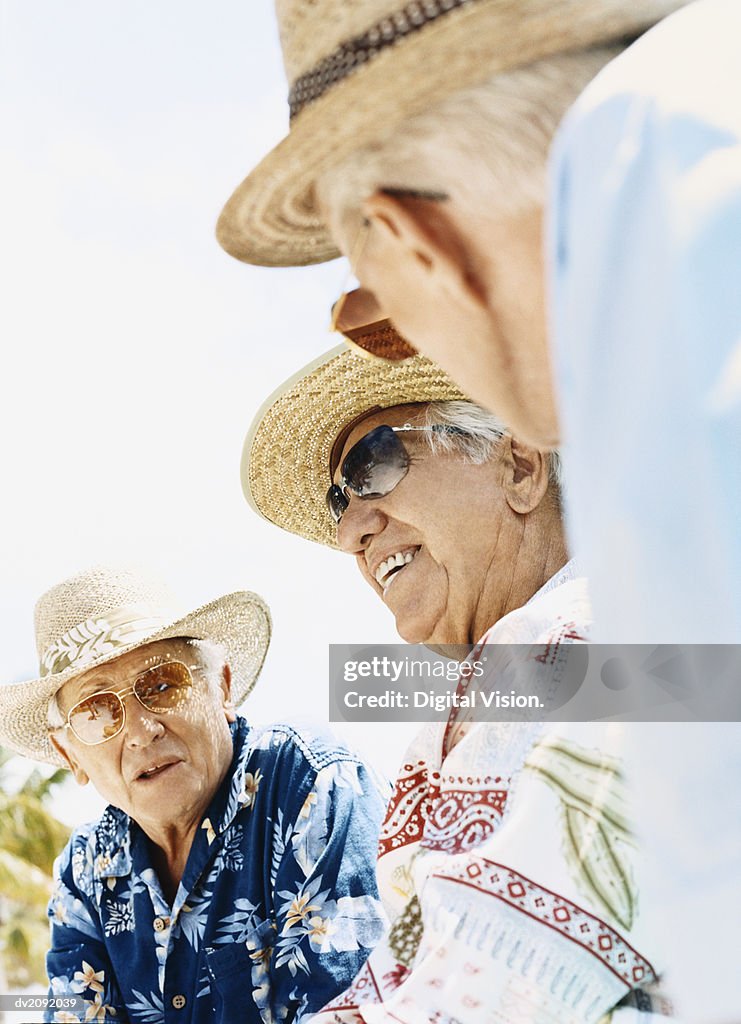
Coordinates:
[361,522]
[141,726]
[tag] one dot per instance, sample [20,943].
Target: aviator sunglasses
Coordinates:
[102,715]
[358,318]
[375,465]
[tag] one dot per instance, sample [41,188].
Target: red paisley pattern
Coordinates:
[463,818]
[409,808]
[457,819]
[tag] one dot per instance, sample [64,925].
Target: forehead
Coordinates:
[394,416]
[116,672]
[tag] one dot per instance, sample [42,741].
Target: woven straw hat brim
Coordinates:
[239,621]
[286,456]
[272,218]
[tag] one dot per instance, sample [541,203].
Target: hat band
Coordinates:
[350,55]
[97,637]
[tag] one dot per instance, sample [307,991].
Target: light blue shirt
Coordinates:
[645,252]
[645,261]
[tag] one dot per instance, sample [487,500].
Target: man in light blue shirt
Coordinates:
[645,249]
[646,255]
[434,183]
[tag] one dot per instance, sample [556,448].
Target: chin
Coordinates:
[421,633]
[412,633]
[419,622]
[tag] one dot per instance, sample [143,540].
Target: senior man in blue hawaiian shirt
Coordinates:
[232,876]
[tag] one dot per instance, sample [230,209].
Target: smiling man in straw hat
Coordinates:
[418,146]
[231,877]
[484,861]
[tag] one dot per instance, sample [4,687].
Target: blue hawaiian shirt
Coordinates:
[276,912]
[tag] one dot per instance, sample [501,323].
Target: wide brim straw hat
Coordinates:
[357,69]
[289,446]
[105,612]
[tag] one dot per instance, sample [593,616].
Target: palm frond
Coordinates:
[23,883]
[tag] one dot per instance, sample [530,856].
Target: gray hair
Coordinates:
[212,655]
[487,142]
[476,435]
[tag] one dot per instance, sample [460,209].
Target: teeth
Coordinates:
[394,561]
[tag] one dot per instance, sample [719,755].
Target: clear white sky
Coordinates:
[134,350]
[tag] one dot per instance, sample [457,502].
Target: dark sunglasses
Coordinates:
[102,715]
[375,465]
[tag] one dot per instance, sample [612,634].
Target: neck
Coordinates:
[170,850]
[541,552]
[171,841]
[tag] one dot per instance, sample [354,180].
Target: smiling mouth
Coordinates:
[393,565]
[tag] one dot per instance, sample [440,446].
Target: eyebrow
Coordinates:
[415,193]
[88,689]
[109,684]
[185,656]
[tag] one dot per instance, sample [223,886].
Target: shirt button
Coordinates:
[178,1002]
[159,924]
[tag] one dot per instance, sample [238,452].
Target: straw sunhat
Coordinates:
[287,452]
[102,613]
[357,69]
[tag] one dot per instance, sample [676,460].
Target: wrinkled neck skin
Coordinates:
[538,552]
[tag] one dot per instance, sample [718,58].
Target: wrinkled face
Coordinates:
[161,769]
[467,291]
[429,547]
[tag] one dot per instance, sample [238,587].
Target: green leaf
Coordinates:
[23,883]
[30,839]
[29,831]
[594,805]
[604,866]
[24,941]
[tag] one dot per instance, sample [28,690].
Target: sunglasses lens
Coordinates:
[96,719]
[376,464]
[336,502]
[164,687]
[361,321]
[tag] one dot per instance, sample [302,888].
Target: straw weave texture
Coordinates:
[272,219]
[239,621]
[92,594]
[286,458]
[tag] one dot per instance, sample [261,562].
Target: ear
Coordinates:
[226,687]
[420,236]
[81,777]
[526,475]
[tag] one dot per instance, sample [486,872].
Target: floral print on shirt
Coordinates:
[276,912]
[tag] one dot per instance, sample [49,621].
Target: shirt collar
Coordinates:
[113,845]
[235,791]
[567,572]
